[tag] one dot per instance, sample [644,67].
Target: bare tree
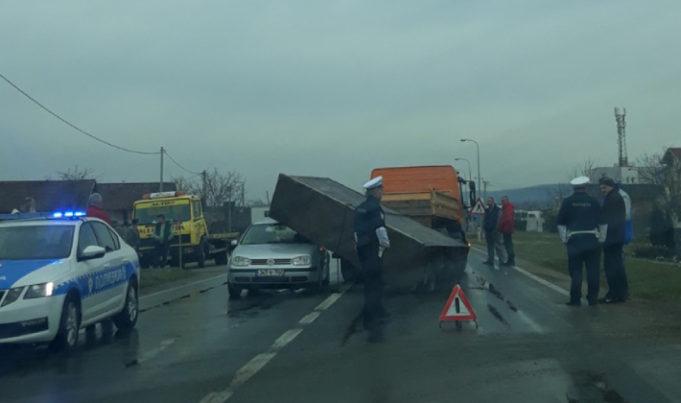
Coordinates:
[651,169]
[215,189]
[76,173]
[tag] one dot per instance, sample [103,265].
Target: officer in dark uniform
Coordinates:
[581,228]
[371,238]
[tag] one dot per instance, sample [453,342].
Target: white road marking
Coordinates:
[538,279]
[309,318]
[329,301]
[156,351]
[530,322]
[286,338]
[259,361]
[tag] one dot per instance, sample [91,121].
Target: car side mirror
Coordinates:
[234,242]
[92,252]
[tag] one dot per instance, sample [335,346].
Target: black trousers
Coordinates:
[491,238]
[577,259]
[372,273]
[613,263]
[162,254]
[510,251]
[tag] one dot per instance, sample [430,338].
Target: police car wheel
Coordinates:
[127,318]
[69,326]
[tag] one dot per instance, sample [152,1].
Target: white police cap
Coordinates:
[580,181]
[376,182]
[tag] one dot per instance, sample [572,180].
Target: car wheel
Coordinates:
[127,318]
[69,326]
[234,292]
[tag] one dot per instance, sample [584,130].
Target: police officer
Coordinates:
[582,230]
[614,213]
[371,239]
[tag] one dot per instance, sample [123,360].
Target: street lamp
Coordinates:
[477,145]
[470,177]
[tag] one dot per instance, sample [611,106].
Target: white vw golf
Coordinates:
[61,273]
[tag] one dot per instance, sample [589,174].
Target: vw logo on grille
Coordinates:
[270,262]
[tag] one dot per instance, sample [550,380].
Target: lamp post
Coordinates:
[477,146]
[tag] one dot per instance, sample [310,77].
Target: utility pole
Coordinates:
[485,183]
[160,184]
[622,136]
[477,145]
[204,186]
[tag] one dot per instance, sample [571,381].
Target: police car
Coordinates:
[60,273]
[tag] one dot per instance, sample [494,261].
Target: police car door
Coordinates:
[92,303]
[110,281]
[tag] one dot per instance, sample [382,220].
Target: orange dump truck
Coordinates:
[431,195]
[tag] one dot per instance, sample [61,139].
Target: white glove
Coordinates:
[562,233]
[382,235]
[602,233]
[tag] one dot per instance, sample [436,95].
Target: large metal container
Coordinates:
[322,210]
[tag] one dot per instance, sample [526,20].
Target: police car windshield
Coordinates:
[36,242]
[177,213]
[271,233]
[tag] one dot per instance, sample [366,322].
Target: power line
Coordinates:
[180,165]
[92,136]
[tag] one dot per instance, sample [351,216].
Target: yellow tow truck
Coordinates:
[190,242]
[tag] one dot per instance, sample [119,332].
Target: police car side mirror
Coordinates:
[234,242]
[92,252]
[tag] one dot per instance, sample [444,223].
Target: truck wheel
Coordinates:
[234,292]
[69,326]
[201,254]
[127,318]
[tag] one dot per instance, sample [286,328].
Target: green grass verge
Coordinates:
[154,277]
[647,279]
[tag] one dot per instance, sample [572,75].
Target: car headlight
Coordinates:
[12,295]
[240,261]
[39,290]
[301,260]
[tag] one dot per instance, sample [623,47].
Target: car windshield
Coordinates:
[271,234]
[175,213]
[19,243]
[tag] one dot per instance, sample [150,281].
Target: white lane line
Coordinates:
[258,362]
[329,301]
[538,279]
[285,338]
[536,327]
[156,351]
[310,317]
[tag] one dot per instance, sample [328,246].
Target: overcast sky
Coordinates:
[336,88]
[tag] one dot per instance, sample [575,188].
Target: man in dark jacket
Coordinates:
[371,240]
[162,235]
[581,229]
[614,214]
[490,226]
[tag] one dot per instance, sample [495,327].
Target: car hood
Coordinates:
[273,251]
[18,272]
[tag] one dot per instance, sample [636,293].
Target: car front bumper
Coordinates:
[290,276]
[31,320]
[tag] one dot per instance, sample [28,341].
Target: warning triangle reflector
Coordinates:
[479,208]
[457,307]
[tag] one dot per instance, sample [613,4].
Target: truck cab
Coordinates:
[190,240]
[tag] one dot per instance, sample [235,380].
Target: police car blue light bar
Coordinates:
[68,214]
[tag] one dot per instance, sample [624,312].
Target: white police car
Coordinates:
[61,273]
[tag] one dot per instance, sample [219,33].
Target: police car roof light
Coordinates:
[57,215]
[68,214]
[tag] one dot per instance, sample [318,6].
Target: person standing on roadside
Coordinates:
[371,241]
[506,228]
[94,208]
[490,225]
[614,214]
[581,229]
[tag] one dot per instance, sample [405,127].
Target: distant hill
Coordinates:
[539,196]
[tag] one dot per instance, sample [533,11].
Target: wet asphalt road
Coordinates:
[528,347]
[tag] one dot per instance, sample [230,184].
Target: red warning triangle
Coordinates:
[457,307]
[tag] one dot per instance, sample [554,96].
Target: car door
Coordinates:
[92,303]
[111,282]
